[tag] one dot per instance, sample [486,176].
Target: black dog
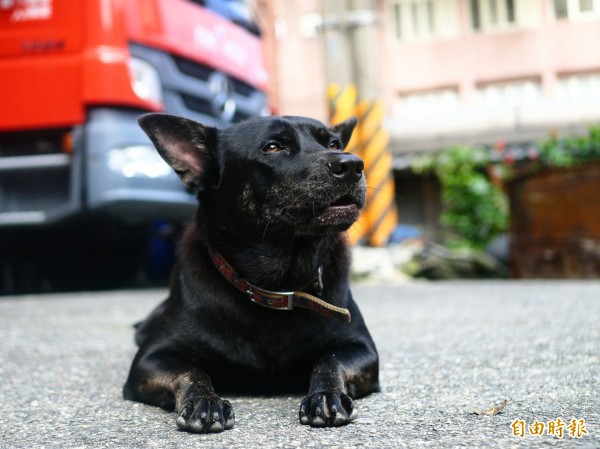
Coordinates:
[275,197]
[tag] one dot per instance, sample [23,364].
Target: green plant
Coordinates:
[565,152]
[475,209]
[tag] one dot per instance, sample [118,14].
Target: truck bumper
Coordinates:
[114,170]
[36,189]
[124,175]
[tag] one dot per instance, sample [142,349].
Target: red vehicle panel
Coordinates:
[52,66]
[197,34]
[39,65]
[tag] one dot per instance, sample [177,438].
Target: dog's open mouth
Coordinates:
[344,201]
[341,213]
[338,214]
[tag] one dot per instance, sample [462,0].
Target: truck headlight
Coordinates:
[138,160]
[145,80]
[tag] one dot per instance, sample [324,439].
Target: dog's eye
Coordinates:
[272,147]
[334,145]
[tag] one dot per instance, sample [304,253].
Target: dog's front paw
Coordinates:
[327,409]
[201,414]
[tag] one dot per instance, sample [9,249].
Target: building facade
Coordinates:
[453,71]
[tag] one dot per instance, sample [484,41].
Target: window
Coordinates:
[493,9]
[475,14]
[561,9]
[422,19]
[576,9]
[431,102]
[491,14]
[511,93]
[579,86]
[397,7]
[510,11]
[586,5]
[414,18]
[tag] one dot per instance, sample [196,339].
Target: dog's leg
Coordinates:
[164,380]
[336,380]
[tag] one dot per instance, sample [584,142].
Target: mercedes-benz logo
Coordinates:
[221,88]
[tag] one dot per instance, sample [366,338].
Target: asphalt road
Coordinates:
[446,350]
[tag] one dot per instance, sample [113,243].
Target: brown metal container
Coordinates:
[555,223]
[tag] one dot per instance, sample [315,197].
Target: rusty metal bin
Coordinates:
[555,223]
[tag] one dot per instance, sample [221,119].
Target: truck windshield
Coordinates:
[238,11]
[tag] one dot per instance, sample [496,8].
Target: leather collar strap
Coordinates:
[277,300]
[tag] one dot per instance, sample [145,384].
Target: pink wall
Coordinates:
[481,58]
[542,50]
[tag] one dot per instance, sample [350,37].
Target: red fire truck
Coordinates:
[75,76]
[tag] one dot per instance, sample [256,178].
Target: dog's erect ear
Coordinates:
[345,129]
[185,145]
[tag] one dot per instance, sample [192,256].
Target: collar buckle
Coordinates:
[268,298]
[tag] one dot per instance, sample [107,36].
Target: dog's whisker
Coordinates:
[374,190]
[265,232]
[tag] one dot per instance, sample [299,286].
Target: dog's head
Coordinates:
[266,176]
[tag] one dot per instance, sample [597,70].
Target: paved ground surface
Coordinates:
[446,349]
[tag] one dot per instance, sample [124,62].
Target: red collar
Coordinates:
[276,300]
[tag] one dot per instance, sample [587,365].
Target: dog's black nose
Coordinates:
[346,167]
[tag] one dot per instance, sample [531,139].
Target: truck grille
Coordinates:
[202,72]
[192,69]
[197,91]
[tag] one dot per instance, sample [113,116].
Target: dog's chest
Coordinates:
[265,360]
[265,346]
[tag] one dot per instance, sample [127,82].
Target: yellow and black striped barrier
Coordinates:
[369,141]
